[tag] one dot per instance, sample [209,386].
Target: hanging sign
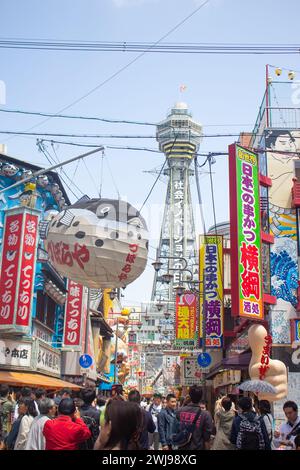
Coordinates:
[211,273]
[185,320]
[73,317]
[246,271]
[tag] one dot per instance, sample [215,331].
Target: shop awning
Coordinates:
[239,362]
[23,379]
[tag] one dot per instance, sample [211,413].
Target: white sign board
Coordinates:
[191,372]
[15,354]
[48,360]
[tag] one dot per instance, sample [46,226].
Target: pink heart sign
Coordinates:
[189,298]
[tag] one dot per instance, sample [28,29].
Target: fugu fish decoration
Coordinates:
[99,243]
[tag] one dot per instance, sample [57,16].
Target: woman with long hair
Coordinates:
[28,411]
[264,408]
[122,427]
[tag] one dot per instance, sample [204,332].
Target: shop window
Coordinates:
[45,310]
[264,209]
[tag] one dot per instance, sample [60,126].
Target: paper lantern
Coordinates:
[291,75]
[99,243]
[278,71]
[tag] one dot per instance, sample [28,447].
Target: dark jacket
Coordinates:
[91,411]
[250,415]
[148,426]
[203,427]
[165,421]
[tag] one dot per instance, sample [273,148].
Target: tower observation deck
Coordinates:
[179,137]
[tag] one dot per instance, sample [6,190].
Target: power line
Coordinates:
[70,116]
[144,47]
[126,66]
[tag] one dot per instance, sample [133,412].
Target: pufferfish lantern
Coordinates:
[99,243]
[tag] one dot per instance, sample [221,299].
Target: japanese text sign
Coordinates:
[246,271]
[185,320]
[17,268]
[73,316]
[211,282]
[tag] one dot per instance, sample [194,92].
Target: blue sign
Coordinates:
[85,361]
[204,359]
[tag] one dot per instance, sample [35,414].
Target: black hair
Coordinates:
[195,393]
[203,402]
[264,407]
[169,396]
[134,396]
[101,400]
[126,424]
[157,395]
[65,390]
[29,403]
[4,390]
[226,403]
[25,392]
[39,393]
[66,407]
[271,136]
[88,395]
[290,404]
[245,403]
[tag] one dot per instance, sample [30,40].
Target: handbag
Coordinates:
[184,437]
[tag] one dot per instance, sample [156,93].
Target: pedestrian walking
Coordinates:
[25,392]
[7,406]
[289,430]
[90,415]
[154,409]
[248,431]
[224,419]
[63,393]
[193,422]
[166,420]
[148,426]
[36,439]
[121,428]
[66,431]
[264,408]
[28,410]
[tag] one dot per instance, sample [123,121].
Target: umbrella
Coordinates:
[259,386]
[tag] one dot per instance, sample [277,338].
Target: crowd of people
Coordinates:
[30,420]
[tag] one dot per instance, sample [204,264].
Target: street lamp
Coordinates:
[167,315]
[179,290]
[113,294]
[157,265]
[167,278]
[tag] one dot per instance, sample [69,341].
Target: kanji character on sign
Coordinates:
[74,291]
[247,306]
[130,258]
[133,248]
[29,240]
[14,226]
[12,240]
[249,257]
[213,308]
[31,226]
[247,169]
[250,284]
[213,326]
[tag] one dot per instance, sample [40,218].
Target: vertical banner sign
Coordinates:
[18,268]
[186,320]
[295,330]
[246,271]
[211,272]
[9,268]
[26,282]
[73,316]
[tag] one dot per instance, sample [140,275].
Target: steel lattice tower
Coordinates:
[179,138]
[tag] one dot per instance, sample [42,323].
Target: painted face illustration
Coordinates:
[98,243]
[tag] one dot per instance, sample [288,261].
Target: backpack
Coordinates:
[94,428]
[184,437]
[250,435]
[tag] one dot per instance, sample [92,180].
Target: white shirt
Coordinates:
[36,439]
[155,410]
[285,429]
[23,432]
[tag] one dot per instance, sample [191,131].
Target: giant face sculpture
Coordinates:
[100,243]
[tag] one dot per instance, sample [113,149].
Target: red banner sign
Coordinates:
[27,270]
[17,269]
[73,316]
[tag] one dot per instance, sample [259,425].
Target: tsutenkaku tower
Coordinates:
[179,138]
